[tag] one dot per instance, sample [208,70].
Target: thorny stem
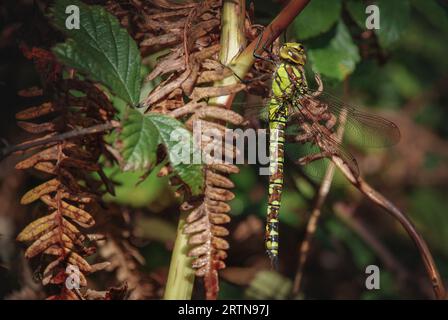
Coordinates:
[316,213]
[60,137]
[232,35]
[179,285]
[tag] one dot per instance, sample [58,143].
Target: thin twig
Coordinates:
[187,26]
[346,215]
[383,202]
[316,213]
[60,137]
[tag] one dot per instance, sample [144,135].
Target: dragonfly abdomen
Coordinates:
[276,158]
[286,82]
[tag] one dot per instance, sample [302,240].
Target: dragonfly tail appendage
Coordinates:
[272,235]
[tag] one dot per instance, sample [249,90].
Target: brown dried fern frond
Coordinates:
[70,198]
[124,257]
[204,223]
[204,226]
[189,35]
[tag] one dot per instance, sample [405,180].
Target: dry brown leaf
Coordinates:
[35,112]
[36,228]
[37,192]
[31,92]
[45,241]
[200,93]
[81,217]
[50,153]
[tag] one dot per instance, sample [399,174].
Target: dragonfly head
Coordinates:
[293,52]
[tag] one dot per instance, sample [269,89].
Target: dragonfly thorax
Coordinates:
[288,81]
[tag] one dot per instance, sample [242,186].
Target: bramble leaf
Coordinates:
[394,19]
[339,58]
[140,140]
[101,49]
[141,135]
[317,18]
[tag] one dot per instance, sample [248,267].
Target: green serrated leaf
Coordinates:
[101,49]
[140,140]
[189,172]
[141,135]
[317,18]
[394,19]
[339,58]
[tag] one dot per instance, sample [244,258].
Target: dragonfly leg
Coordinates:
[320,85]
[245,81]
[257,47]
[331,121]
[269,50]
[259,78]
[313,157]
[304,137]
[313,108]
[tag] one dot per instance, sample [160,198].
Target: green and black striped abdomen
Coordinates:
[276,160]
[286,79]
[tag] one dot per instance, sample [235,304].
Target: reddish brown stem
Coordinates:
[243,63]
[425,253]
[278,25]
[380,200]
[60,137]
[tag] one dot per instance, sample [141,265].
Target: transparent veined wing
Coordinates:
[319,147]
[360,127]
[255,110]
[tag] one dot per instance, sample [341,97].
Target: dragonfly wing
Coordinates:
[254,109]
[319,148]
[337,149]
[362,128]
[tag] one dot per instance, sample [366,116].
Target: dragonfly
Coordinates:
[317,114]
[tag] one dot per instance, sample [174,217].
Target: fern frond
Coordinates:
[70,195]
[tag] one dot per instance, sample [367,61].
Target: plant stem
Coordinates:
[60,137]
[232,41]
[428,261]
[316,213]
[244,61]
[181,276]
